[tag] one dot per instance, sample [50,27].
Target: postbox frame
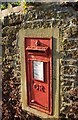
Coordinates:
[50,108]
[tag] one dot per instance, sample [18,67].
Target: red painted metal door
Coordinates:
[39,73]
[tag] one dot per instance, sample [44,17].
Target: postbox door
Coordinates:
[38,79]
[39,84]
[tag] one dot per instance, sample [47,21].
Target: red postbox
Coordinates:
[38,57]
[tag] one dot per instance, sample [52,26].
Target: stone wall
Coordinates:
[11,67]
[69,69]
[66,18]
[11,76]
[43,16]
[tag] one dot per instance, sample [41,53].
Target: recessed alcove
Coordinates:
[41,33]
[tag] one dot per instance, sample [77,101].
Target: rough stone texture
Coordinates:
[11,75]
[0,73]
[43,16]
[69,69]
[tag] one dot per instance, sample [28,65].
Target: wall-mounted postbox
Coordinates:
[38,57]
